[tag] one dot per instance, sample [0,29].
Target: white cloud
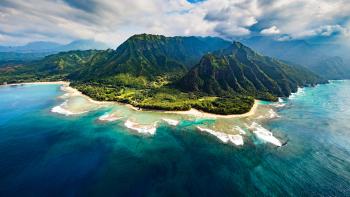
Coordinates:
[328,30]
[300,17]
[270,31]
[113,21]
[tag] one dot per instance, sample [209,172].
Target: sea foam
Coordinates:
[143,129]
[279,104]
[224,137]
[240,130]
[264,134]
[109,117]
[273,114]
[299,92]
[171,121]
[61,109]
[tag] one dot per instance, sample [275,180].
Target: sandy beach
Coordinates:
[192,112]
[201,114]
[39,83]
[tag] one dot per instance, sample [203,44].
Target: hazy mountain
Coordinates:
[319,58]
[32,47]
[332,68]
[38,50]
[52,47]
[83,45]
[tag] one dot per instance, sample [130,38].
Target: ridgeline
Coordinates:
[170,73]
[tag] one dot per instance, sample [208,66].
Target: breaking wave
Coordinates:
[171,121]
[273,114]
[264,134]
[280,103]
[107,117]
[143,129]
[299,92]
[240,130]
[62,109]
[224,137]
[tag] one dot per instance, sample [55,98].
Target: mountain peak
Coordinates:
[145,36]
[237,44]
[240,70]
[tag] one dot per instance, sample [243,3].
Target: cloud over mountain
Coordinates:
[114,21]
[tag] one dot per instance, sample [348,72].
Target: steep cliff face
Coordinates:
[240,70]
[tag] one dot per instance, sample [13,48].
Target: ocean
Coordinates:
[46,150]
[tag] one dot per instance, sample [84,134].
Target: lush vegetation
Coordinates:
[240,70]
[151,71]
[150,56]
[165,98]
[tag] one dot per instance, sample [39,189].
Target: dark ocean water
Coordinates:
[46,154]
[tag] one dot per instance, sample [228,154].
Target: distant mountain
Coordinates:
[32,47]
[152,55]
[38,50]
[52,47]
[332,68]
[240,70]
[317,57]
[9,58]
[56,66]
[83,45]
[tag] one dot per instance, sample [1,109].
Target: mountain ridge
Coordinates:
[322,58]
[153,55]
[157,72]
[240,70]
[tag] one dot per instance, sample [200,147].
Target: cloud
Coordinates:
[328,30]
[231,18]
[113,21]
[299,18]
[270,31]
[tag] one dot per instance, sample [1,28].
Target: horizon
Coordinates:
[197,36]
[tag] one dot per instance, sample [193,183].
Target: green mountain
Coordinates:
[170,73]
[150,56]
[238,70]
[52,67]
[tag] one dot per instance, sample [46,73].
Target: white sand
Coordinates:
[201,114]
[40,83]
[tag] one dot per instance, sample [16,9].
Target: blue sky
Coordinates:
[114,21]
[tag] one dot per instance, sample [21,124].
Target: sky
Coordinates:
[112,22]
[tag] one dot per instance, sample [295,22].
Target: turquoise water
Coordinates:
[48,154]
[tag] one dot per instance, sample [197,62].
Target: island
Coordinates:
[170,73]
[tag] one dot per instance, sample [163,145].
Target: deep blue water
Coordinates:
[45,154]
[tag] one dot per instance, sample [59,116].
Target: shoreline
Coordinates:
[192,112]
[202,114]
[38,83]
